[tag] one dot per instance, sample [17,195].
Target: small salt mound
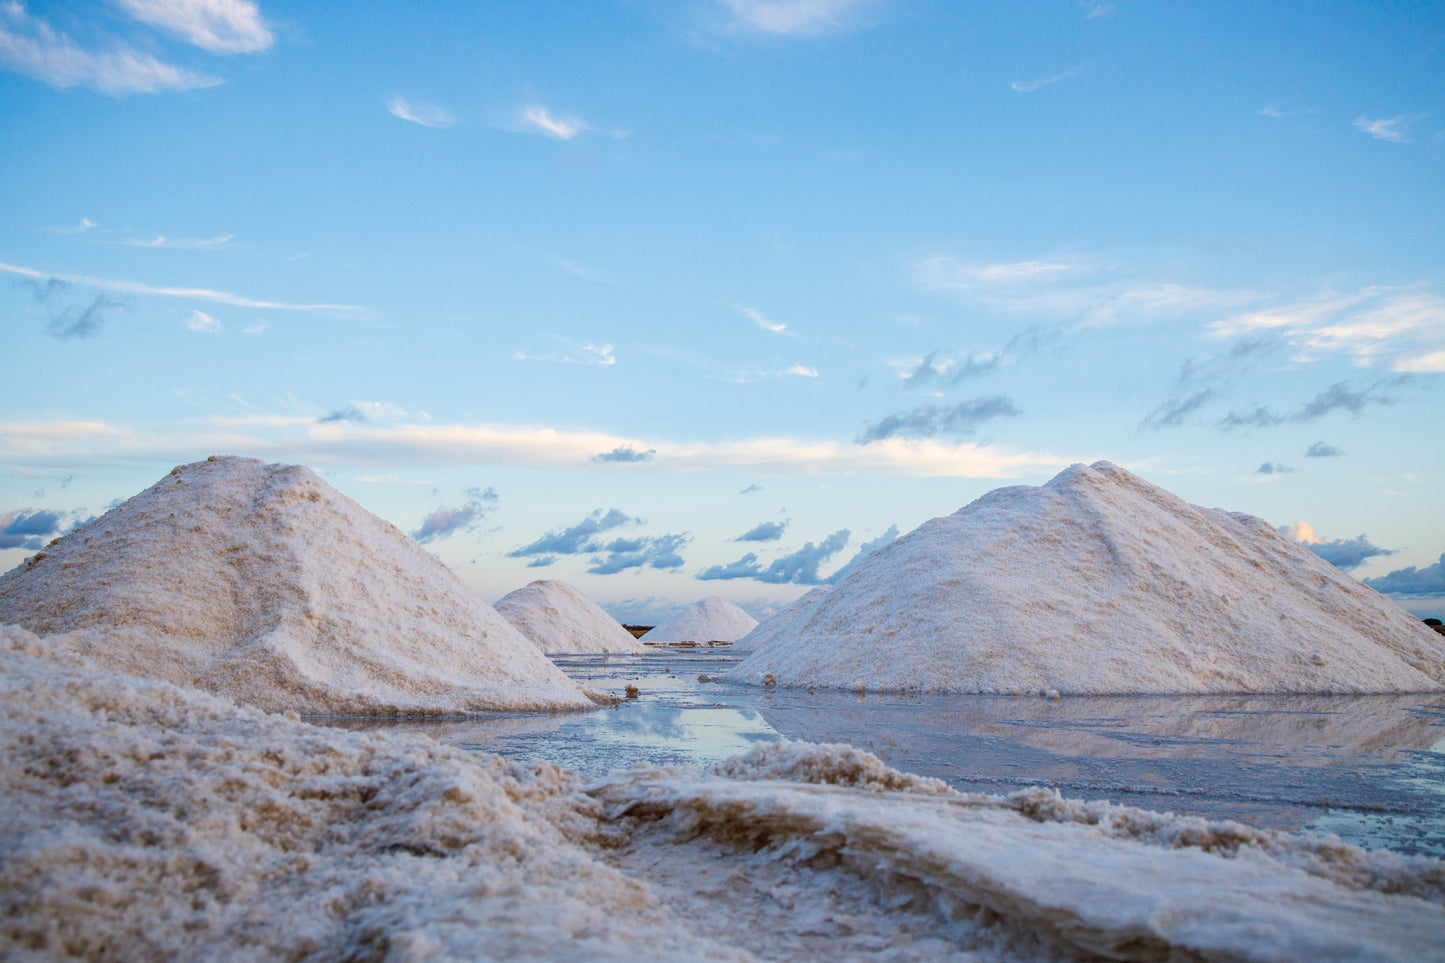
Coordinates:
[1098,582]
[558,618]
[263,583]
[714,619]
[769,628]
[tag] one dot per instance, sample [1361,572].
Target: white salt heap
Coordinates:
[770,628]
[558,618]
[146,821]
[1098,582]
[263,583]
[713,619]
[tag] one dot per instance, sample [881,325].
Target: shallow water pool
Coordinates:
[1368,768]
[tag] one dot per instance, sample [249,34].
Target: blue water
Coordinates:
[1370,769]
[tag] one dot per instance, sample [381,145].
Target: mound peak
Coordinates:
[263,583]
[713,619]
[1098,582]
[559,618]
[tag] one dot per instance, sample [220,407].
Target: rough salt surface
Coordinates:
[559,618]
[1098,583]
[148,821]
[261,582]
[713,619]
[770,628]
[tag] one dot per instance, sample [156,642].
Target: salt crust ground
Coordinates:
[262,582]
[713,619]
[147,821]
[559,618]
[1097,583]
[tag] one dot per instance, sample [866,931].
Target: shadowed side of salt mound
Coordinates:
[1099,583]
[713,619]
[559,618]
[770,628]
[263,583]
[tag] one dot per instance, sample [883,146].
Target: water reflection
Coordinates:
[1369,768]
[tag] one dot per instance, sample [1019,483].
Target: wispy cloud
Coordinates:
[1337,397]
[941,272]
[801,371]
[66,318]
[931,421]
[764,532]
[573,352]
[1029,86]
[1274,468]
[201,321]
[260,327]
[794,18]
[609,555]
[444,521]
[796,568]
[71,444]
[1430,363]
[624,454]
[540,120]
[1203,380]
[939,369]
[767,324]
[220,26]
[1386,128]
[84,225]
[1373,322]
[30,46]
[198,294]
[577,270]
[185,243]
[428,115]
[1322,449]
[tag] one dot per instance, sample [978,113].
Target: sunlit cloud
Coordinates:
[198,294]
[1385,128]
[767,324]
[201,321]
[30,46]
[428,115]
[220,26]
[1431,363]
[1373,322]
[539,119]
[801,371]
[69,444]
[794,18]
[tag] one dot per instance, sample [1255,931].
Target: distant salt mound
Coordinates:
[558,618]
[263,583]
[769,628]
[1097,583]
[713,619]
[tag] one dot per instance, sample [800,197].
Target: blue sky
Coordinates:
[668,299]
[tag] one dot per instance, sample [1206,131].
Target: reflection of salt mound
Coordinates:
[558,618]
[773,627]
[1099,582]
[713,619]
[263,583]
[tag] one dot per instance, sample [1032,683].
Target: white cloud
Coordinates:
[84,225]
[941,272]
[1029,86]
[348,443]
[573,352]
[777,327]
[28,45]
[428,115]
[1432,363]
[802,371]
[1373,322]
[563,128]
[1385,128]
[198,294]
[220,26]
[201,321]
[260,327]
[794,18]
[186,243]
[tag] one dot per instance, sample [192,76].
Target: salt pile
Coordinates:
[1099,583]
[263,583]
[768,629]
[558,618]
[714,619]
[147,821]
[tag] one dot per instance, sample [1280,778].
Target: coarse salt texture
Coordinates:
[713,619]
[1097,583]
[262,583]
[559,618]
[769,628]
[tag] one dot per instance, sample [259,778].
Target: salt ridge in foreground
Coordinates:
[151,821]
[1097,583]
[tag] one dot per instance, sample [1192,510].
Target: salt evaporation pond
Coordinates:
[1368,768]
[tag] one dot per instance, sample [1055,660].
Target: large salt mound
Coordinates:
[769,628]
[1098,582]
[713,619]
[263,583]
[558,618]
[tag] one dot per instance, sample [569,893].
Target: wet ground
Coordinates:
[1368,768]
